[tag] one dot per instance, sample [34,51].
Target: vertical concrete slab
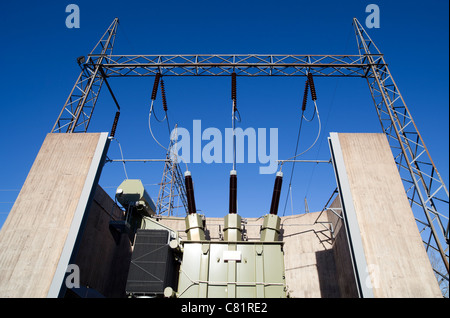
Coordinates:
[104,254]
[40,233]
[376,206]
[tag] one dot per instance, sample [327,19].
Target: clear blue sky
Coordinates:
[39,69]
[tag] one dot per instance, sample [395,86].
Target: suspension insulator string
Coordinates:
[114,126]
[155,85]
[153,97]
[163,95]
[164,101]
[311,85]
[233,87]
[305,96]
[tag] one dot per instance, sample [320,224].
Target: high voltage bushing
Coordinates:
[276,193]
[305,96]
[190,192]
[194,221]
[233,192]
[155,85]
[311,85]
[163,95]
[270,229]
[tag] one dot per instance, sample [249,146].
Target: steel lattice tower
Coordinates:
[171,187]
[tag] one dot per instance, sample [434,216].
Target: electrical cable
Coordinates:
[316,110]
[312,145]
[157,119]
[318,133]
[238,119]
[121,154]
[176,152]
[321,141]
[328,115]
[158,80]
[293,165]
[150,127]
[154,92]
[313,115]
[153,97]
[309,83]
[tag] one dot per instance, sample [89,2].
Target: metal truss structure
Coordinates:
[426,191]
[171,186]
[424,186]
[79,107]
[242,65]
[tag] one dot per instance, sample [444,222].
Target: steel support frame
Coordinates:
[77,112]
[84,95]
[172,185]
[224,65]
[423,184]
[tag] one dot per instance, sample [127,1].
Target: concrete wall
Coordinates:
[309,258]
[344,269]
[49,206]
[104,255]
[397,263]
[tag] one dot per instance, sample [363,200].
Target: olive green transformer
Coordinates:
[232,268]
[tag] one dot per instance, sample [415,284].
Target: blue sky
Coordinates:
[39,69]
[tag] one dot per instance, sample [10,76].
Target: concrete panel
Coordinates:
[396,258]
[104,254]
[341,250]
[309,259]
[34,236]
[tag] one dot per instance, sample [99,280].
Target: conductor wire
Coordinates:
[150,126]
[293,165]
[309,83]
[156,140]
[298,138]
[121,154]
[317,137]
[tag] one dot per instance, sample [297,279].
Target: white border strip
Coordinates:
[69,245]
[351,222]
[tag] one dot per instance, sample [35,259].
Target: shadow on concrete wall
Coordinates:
[326,270]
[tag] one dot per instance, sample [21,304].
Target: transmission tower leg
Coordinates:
[172,185]
[76,113]
[426,191]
